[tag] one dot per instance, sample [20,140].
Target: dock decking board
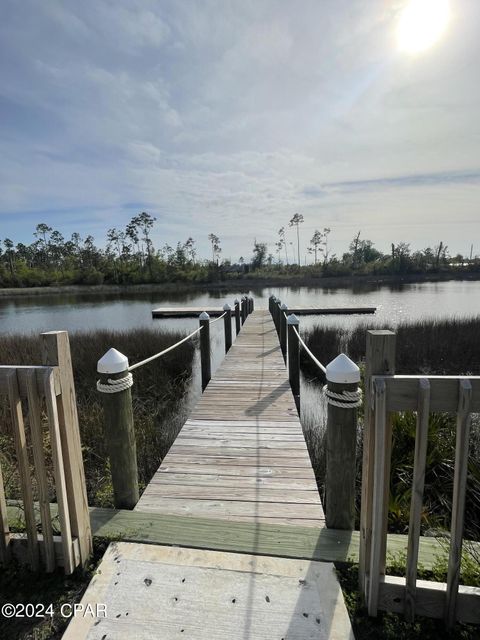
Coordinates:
[245,418]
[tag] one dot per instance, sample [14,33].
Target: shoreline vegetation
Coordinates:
[241,282]
[128,257]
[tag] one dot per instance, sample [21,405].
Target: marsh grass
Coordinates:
[446,347]
[158,402]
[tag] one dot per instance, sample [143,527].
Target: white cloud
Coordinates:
[229,117]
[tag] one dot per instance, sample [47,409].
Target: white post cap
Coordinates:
[204,316]
[343,370]
[112,362]
[292,319]
[283,307]
[236,301]
[227,307]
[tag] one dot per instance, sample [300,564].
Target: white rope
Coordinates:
[344,400]
[219,318]
[157,355]
[115,386]
[317,362]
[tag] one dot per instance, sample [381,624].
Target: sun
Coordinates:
[421,24]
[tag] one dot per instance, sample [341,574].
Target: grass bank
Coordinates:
[158,393]
[241,282]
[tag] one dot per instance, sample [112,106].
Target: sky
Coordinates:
[228,117]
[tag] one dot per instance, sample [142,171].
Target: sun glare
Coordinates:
[421,24]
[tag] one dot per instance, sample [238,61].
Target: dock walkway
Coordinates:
[241,456]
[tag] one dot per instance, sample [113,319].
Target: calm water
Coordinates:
[394,304]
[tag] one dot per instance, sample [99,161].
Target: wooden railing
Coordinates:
[384,395]
[41,401]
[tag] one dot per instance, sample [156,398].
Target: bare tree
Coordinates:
[216,250]
[296,221]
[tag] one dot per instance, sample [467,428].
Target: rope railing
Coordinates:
[344,399]
[219,318]
[162,353]
[315,360]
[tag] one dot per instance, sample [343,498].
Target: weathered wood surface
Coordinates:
[244,427]
[194,312]
[328,545]
[158,592]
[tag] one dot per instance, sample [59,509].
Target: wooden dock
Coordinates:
[240,459]
[241,455]
[194,312]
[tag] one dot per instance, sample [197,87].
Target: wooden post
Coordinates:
[270,304]
[227,319]
[237,316]
[119,430]
[252,305]
[56,353]
[464,420]
[244,309]
[342,375]
[4,529]
[379,360]
[272,308]
[206,364]
[294,358]
[283,330]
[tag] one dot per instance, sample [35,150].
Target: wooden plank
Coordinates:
[378,512]
[278,539]
[59,473]
[458,501]
[36,432]
[209,595]
[4,528]
[19,549]
[297,462]
[213,491]
[444,393]
[23,467]
[22,372]
[419,466]
[229,509]
[223,481]
[430,599]
[56,353]
[380,359]
[239,470]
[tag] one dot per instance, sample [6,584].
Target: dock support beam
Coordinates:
[227,319]
[205,360]
[119,429]
[343,375]
[294,359]
[244,309]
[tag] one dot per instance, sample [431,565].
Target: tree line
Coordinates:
[130,257]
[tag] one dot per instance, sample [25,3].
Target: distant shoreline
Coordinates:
[242,284]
